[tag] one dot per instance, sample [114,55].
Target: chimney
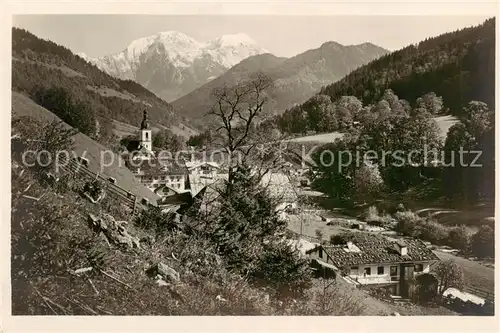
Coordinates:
[401,247]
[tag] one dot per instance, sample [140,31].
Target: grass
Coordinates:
[444,124]
[109,92]
[312,222]
[321,138]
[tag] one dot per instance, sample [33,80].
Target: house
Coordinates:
[200,169]
[277,183]
[155,173]
[377,261]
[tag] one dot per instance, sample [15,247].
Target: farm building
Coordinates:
[378,261]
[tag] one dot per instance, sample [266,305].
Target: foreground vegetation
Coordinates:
[231,261]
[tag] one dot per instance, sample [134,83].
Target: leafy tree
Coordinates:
[427,286]
[344,117]
[431,103]
[368,182]
[328,119]
[334,170]
[418,141]
[449,275]
[351,103]
[319,108]
[166,140]
[475,132]
[458,238]
[483,242]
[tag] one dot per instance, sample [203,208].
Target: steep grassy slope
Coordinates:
[86,147]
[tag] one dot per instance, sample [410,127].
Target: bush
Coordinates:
[153,219]
[458,238]
[280,269]
[408,223]
[483,242]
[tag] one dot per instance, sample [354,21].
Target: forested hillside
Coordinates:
[79,92]
[457,66]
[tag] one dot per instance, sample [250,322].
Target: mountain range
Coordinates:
[172,64]
[294,79]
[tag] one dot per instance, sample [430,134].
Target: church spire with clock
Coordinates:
[146,140]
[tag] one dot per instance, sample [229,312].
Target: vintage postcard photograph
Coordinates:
[252,165]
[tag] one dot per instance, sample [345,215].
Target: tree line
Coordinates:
[391,125]
[458,66]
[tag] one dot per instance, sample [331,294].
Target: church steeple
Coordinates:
[146,139]
[145,122]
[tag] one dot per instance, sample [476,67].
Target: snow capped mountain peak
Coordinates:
[175,37]
[238,39]
[83,56]
[168,60]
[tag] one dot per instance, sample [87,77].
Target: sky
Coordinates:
[284,36]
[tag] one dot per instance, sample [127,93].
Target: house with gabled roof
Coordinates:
[375,260]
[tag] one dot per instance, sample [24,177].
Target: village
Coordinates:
[374,258]
[185,177]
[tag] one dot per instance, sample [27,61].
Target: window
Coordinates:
[354,270]
[394,270]
[419,267]
[380,270]
[368,271]
[320,252]
[146,135]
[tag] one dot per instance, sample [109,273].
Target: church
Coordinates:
[163,176]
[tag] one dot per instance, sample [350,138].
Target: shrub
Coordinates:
[281,270]
[408,223]
[458,238]
[483,242]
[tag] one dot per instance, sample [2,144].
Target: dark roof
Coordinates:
[145,122]
[377,250]
[133,145]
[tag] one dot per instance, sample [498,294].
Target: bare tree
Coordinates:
[237,111]
[449,275]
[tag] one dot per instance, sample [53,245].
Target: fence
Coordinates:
[125,197]
[490,296]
